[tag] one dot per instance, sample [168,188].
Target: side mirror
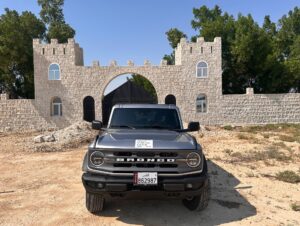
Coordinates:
[193,126]
[97,125]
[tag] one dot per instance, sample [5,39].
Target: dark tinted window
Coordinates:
[145,118]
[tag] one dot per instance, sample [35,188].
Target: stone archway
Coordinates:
[137,89]
[88,109]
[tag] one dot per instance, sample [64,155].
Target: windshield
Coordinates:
[155,118]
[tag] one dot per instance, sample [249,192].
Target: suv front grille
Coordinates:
[168,154]
[144,159]
[122,153]
[145,154]
[144,165]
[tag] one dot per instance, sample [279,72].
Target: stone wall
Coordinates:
[20,115]
[260,108]
[245,109]
[78,81]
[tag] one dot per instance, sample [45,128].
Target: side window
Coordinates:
[202,69]
[201,103]
[56,107]
[54,72]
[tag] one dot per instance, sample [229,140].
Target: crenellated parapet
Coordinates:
[96,63]
[200,49]
[147,63]
[55,51]
[113,63]
[4,96]
[163,63]
[130,63]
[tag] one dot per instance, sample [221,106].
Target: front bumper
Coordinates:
[122,187]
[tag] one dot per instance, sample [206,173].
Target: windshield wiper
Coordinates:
[123,126]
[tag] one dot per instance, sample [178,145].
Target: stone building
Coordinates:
[63,84]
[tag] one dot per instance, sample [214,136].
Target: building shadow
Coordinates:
[226,205]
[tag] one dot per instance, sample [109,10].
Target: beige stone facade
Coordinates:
[78,81]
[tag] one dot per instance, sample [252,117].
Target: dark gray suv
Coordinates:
[145,152]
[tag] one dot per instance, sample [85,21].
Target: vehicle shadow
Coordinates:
[226,205]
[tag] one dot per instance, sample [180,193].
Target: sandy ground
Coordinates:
[45,188]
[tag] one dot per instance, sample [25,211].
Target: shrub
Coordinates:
[288,176]
[266,136]
[287,138]
[228,151]
[237,155]
[279,144]
[295,206]
[271,153]
[228,127]
[242,136]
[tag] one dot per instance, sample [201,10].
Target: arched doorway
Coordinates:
[127,88]
[88,109]
[170,99]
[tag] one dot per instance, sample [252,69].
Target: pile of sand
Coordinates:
[72,136]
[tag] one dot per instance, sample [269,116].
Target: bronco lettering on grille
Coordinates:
[144,160]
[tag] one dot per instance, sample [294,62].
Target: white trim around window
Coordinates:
[202,71]
[55,73]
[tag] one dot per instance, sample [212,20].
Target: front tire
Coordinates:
[200,202]
[94,202]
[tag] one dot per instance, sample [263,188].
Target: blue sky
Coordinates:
[135,29]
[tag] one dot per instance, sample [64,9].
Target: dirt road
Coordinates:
[46,189]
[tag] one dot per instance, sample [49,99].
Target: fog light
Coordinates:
[189,186]
[100,185]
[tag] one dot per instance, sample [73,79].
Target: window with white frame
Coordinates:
[201,103]
[202,69]
[56,107]
[54,72]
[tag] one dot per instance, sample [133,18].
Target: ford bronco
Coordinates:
[145,152]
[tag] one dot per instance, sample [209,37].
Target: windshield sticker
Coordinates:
[148,144]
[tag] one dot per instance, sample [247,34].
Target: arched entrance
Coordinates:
[170,99]
[127,88]
[88,109]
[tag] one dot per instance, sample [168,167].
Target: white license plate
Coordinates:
[145,178]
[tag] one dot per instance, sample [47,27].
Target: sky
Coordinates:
[125,30]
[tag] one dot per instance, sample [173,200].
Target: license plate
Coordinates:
[144,178]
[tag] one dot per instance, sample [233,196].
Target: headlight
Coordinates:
[97,158]
[193,159]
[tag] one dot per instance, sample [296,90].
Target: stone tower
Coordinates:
[67,56]
[188,55]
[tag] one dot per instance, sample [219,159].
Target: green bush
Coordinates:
[288,176]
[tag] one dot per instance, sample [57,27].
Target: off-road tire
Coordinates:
[200,202]
[94,202]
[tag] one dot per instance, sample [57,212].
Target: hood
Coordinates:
[159,139]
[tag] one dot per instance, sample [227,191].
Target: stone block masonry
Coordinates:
[254,109]
[77,81]
[21,115]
